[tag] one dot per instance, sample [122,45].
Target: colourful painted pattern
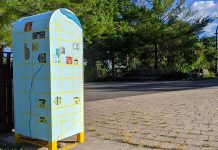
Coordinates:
[48,76]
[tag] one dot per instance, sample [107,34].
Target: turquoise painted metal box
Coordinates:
[48,75]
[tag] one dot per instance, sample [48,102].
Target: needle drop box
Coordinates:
[48,76]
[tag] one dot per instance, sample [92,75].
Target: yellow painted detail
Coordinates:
[69,146]
[81,137]
[17,137]
[52,145]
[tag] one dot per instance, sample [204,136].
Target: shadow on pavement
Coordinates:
[101,91]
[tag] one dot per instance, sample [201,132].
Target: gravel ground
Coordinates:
[170,120]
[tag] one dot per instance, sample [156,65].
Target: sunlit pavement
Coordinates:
[182,119]
[183,116]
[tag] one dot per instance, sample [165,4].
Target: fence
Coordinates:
[6,92]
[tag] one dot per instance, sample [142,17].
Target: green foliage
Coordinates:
[123,35]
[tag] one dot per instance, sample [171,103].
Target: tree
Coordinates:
[162,22]
[107,30]
[161,34]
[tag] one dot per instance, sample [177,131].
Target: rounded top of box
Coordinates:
[44,19]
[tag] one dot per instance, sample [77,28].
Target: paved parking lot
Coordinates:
[172,115]
[185,119]
[107,90]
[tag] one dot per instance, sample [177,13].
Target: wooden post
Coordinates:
[9,92]
[1,106]
[2,93]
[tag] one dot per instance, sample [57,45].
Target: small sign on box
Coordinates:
[39,35]
[57,100]
[28,27]
[42,103]
[69,60]
[58,52]
[42,120]
[76,100]
[76,62]
[75,46]
[35,46]
[26,51]
[62,50]
[56,59]
[42,58]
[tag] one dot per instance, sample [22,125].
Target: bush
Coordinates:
[9,146]
[174,76]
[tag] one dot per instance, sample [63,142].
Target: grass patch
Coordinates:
[107,138]
[92,129]
[163,123]
[134,131]
[126,137]
[135,122]
[151,146]
[96,134]
[206,145]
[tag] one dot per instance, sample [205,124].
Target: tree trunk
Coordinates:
[95,71]
[156,56]
[127,64]
[2,98]
[113,69]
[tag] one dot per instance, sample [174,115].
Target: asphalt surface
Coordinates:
[107,90]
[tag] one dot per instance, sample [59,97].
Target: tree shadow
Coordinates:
[113,91]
